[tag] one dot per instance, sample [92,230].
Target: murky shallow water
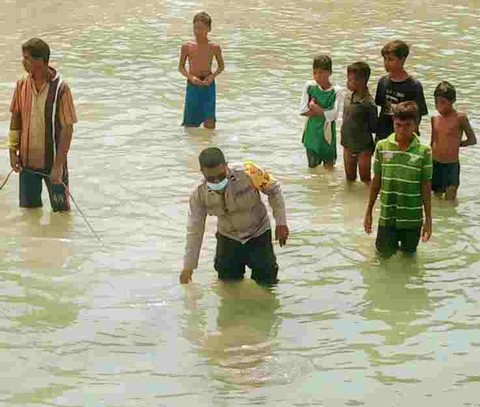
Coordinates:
[84,325]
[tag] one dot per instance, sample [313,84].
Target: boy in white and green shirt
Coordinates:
[321,104]
[403,173]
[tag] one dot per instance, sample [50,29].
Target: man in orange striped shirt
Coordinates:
[41,129]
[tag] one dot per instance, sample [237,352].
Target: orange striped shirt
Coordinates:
[25,101]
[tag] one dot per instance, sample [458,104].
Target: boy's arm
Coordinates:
[220,63]
[427,206]
[304,109]
[183,59]
[333,114]
[467,129]
[372,118]
[380,93]
[374,190]
[217,53]
[426,192]
[433,137]
[421,103]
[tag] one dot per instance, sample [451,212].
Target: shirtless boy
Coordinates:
[200,94]
[447,131]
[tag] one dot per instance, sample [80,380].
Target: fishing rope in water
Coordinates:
[69,194]
[6,179]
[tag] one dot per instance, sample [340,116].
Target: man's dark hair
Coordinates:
[406,111]
[204,18]
[445,90]
[323,62]
[211,157]
[37,48]
[361,70]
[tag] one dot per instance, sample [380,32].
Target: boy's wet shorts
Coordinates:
[199,104]
[445,175]
[389,238]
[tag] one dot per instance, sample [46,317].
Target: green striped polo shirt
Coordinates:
[402,174]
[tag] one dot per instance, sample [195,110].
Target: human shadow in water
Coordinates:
[396,295]
[39,263]
[43,223]
[246,327]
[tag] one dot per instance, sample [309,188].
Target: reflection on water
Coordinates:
[396,295]
[84,325]
[36,298]
[241,342]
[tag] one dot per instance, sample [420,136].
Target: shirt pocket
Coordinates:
[215,204]
[246,198]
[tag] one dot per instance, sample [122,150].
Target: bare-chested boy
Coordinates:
[200,94]
[447,131]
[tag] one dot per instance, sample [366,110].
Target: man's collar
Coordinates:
[52,77]
[415,140]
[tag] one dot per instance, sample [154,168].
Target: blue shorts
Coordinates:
[199,104]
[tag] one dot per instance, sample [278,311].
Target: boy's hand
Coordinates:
[426,231]
[208,80]
[15,161]
[281,234]
[195,81]
[316,109]
[367,223]
[186,276]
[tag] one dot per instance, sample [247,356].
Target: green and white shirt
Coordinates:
[402,173]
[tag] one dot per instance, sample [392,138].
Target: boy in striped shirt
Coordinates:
[402,176]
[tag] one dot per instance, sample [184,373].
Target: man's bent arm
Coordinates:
[195,229]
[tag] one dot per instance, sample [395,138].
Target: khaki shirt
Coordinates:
[239,208]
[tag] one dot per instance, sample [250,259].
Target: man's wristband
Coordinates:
[13,139]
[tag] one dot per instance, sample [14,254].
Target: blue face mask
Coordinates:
[219,186]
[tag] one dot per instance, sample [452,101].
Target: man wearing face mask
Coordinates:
[244,237]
